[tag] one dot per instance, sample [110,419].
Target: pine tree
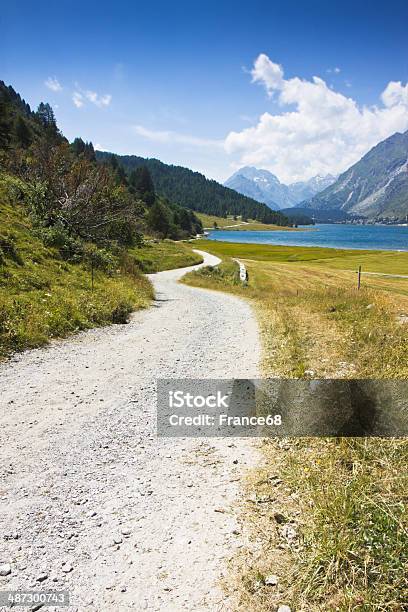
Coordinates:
[141,183]
[118,170]
[89,152]
[159,219]
[4,124]
[46,117]
[22,133]
[78,146]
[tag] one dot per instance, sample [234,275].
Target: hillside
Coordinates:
[72,231]
[376,187]
[266,187]
[194,191]
[78,193]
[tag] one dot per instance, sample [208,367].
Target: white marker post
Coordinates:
[242,272]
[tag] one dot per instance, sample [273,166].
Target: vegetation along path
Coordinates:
[91,500]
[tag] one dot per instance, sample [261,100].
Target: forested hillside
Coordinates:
[72,230]
[194,191]
[70,192]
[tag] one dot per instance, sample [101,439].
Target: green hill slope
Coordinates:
[44,295]
[194,191]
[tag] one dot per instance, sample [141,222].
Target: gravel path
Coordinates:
[91,501]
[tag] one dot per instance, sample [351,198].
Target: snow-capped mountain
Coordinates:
[265,187]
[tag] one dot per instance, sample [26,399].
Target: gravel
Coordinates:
[78,471]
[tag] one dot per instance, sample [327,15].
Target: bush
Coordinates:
[8,249]
[121,313]
[71,249]
[101,259]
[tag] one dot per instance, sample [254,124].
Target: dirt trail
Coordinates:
[91,501]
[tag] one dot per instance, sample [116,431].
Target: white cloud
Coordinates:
[77,99]
[268,73]
[395,94]
[53,84]
[335,70]
[326,132]
[98,100]
[81,96]
[169,137]
[99,147]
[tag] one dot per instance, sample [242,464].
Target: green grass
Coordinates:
[43,296]
[237,225]
[155,255]
[390,262]
[346,498]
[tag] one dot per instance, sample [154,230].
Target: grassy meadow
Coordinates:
[238,225]
[43,295]
[343,501]
[158,255]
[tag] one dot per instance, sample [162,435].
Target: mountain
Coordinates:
[376,187]
[194,191]
[304,190]
[266,187]
[260,184]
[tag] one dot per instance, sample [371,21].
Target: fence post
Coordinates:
[359,278]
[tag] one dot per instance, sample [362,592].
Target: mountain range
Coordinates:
[265,187]
[376,187]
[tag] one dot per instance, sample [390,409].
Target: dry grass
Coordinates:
[341,539]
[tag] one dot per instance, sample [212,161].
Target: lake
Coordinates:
[384,237]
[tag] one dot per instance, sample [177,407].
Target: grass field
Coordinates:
[158,255]
[344,499]
[238,225]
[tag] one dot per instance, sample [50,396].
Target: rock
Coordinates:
[126,532]
[271,580]
[117,540]
[284,609]
[289,533]
[279,518]
[5,569]
[67,568]
[42,577]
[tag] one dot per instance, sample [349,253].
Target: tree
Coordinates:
[22,133]
[86,149]
[80,196]
[89,152]
[141,183]
[4,122]
[159,219]
[46,115]
[118,170]
[78,146]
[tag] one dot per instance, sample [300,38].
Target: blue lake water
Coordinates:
[384,237]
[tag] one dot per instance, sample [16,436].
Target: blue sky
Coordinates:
[215,85]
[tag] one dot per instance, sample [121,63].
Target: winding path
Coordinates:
[91,501]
